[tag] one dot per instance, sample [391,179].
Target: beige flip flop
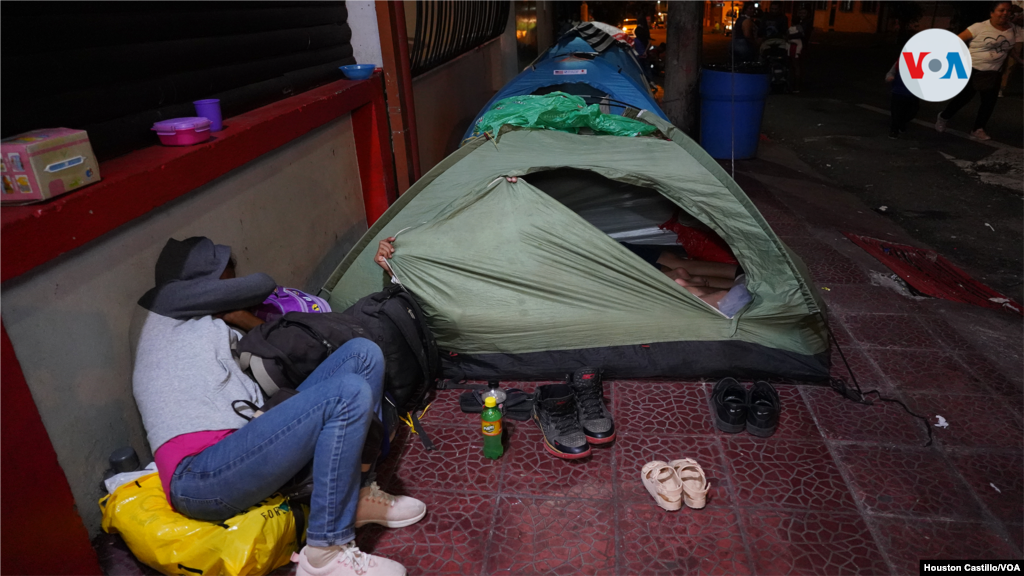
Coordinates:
[664,485]
[695,484]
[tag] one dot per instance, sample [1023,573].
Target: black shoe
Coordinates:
[554,410]
[894,134]
[729,400]
[762,409]
[594,417]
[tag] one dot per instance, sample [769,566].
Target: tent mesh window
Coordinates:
[445,30]
[115,68]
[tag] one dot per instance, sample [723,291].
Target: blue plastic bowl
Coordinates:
[357,71]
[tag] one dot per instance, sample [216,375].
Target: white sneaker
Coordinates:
[940,123]
[351,561]
[379,507]
[979,134]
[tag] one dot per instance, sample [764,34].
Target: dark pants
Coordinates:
[903,109]
[743,51]
[989,97]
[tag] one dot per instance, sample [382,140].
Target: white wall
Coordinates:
[362,19]
[292,213]
[449,96]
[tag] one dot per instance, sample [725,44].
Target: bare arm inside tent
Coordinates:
[709,281]
[697,273]
[385,250]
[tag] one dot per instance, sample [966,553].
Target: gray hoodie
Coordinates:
[185,376]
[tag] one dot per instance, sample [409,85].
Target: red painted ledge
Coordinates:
[143,180]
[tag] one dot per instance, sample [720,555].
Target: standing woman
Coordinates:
[799,37]
[991,41]
[744,40]
[1017,17]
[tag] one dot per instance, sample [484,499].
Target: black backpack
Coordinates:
[284,352]
[395,321]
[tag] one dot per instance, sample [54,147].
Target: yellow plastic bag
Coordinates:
[254,542]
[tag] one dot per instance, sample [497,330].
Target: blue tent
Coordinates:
[573,65]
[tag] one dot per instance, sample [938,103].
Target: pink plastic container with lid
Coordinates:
[182,131]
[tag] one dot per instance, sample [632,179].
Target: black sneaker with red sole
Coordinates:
[554,411]
[594,417]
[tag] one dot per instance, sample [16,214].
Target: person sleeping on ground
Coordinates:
[213,463]
[717,283]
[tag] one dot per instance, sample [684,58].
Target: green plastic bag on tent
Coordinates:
[558,111]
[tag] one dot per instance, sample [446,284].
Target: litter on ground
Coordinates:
[941,422]
[932,274]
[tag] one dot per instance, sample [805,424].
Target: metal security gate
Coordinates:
[446,30]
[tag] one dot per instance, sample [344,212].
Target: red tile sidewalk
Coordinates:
[841,488]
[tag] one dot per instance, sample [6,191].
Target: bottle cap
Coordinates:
[124,460]
[490,402]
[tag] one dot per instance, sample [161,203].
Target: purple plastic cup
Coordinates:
[210,109]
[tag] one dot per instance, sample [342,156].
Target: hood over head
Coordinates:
[191,258]
[188,282]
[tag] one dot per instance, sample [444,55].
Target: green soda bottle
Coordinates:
[491,422]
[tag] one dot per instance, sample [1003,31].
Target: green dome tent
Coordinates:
[527,280]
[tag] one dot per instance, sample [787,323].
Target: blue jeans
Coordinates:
[327,423]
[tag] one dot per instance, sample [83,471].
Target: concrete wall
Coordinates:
[546,30]
[449,97]
[292,213]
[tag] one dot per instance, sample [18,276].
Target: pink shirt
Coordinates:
[172,452]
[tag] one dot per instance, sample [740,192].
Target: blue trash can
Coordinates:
[731,107]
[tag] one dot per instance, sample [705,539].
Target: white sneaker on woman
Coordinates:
[350,561]
[378,507]
[979,134]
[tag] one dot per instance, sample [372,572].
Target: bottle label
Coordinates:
[492,428]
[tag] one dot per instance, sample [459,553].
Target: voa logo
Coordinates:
[935,65]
